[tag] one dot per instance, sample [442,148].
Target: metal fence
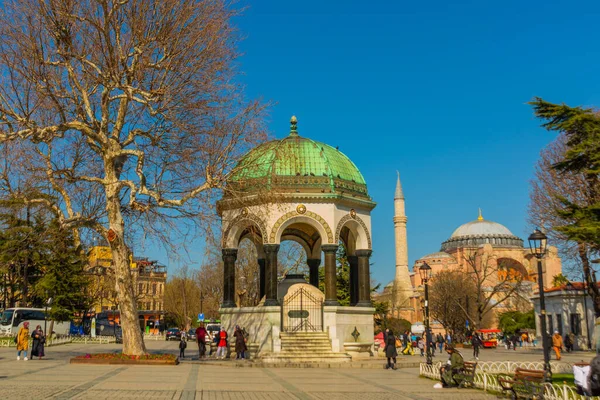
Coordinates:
[302,312]
[486,377]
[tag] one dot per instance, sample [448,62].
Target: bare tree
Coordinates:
[548,190]
[133,102]
[497,282]
[449,294]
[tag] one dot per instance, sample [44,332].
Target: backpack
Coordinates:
[594,377]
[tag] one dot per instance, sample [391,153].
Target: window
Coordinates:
[154,289]
[550,326]
[576,324]
[559,325]
[140,288]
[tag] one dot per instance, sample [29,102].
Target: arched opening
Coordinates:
[511,270]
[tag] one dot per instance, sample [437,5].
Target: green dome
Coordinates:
[299,164]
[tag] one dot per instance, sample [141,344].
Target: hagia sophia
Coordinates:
[480,239]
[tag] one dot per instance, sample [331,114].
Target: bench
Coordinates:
[467,375]
[524,384]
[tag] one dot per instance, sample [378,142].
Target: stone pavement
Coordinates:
[54,378]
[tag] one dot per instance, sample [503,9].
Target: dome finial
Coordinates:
[480,218]
[293,126]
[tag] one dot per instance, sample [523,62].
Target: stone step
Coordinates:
[306,358]
[307,341]
[306,349]
[325,346]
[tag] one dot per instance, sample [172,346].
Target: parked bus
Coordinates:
[13,318]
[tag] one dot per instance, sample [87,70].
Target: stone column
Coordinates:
[330,251]
[364,278]
[271,274]
[313,268]
[261,278]
[229,257]
[353,261]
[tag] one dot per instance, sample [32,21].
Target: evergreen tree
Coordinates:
[64,278]
[582,129]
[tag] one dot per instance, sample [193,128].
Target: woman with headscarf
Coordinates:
[23,341]
[240,343]
[390,350]
[449,373]
[37,348]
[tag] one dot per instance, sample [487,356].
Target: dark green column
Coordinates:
[261,278]
[353,261]
[313,269]
[271,274]
[364,278]
[229,257]
[330,251]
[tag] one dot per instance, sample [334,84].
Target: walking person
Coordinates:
[240,343]
[557,344]
[23,341]
[182,346]
[390,350]
[201,340]
[476,343]
[39,339]
[421,346]
[568,343]
[515,340]
[222,345]
[439,339]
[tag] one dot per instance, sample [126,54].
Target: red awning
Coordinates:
[489,330]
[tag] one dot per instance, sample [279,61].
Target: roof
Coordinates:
[479,232]
[436,255]
[297,161]
[572,286]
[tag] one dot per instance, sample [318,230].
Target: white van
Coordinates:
[13,318]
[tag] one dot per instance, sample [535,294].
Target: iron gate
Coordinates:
[302,312]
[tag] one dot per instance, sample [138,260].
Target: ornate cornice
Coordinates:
[325,198]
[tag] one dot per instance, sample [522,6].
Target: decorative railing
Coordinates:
[486,377]
[9,341]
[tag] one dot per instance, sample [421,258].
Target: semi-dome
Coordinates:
[438,255]
[480,232]
[298,164]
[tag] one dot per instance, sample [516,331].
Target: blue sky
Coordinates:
[434,89]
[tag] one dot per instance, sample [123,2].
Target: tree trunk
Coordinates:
[133,341]
[589,278]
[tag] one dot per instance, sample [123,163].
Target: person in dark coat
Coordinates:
[240,343]
[476,342]
[39,339]
[182,346]
[390,350]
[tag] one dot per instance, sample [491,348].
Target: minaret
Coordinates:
[402,286]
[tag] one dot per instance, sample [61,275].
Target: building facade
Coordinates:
[568,310]
[149,278]
[480,244]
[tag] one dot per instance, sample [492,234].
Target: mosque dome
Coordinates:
[440,255]
[480,232]
[298,164]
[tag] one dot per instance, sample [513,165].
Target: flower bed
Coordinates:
[120,359]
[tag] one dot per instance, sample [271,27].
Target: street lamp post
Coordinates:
[48,303]
[425,272]
[537,244]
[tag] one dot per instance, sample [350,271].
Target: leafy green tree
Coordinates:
[559,280]
[513,321]
[581,128]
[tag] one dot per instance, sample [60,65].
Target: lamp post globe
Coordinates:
[537,245]
[425,273]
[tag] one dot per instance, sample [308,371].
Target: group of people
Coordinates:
[22,341]
[221,340]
